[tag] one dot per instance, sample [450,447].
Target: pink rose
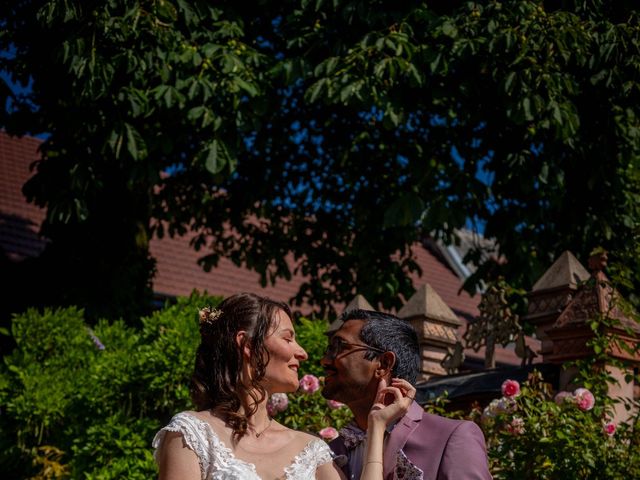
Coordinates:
[328,433]
[278,402]
[609,428]
[563,397]
[309,383]
[584,399]
[510,388]
[334,405]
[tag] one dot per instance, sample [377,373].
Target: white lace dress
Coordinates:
[217,462]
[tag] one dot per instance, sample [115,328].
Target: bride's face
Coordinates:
[285,355]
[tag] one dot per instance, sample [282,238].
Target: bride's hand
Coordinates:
[392,402]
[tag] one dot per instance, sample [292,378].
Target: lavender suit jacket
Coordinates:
[444,449]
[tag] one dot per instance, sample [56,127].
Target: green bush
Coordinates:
[310,335]
[94,398]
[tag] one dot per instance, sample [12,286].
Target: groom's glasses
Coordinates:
[337,346]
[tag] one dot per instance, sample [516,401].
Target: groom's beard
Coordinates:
[345,390]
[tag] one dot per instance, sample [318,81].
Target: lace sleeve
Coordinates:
[195,437]
[323,453]
[304,466]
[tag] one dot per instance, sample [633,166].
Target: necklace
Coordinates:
[265,428]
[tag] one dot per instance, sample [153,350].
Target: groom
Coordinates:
[368,347]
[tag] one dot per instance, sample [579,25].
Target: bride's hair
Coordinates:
[216,383]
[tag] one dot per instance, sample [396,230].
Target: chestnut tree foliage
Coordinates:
[325,137]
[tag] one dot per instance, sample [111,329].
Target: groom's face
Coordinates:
[349,376]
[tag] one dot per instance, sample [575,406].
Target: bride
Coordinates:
[248,351]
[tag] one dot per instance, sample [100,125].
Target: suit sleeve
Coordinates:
[465,456]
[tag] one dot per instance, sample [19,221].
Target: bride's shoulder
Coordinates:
[303,439]
[203,416]
[307,437]
[204,423]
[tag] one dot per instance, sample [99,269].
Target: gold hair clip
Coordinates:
[209,315]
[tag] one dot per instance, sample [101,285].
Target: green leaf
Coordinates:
[557,113]
[315,90]
[544,173]
[433,65]
[217,156]
[166,11]
[508,81]
[415,74]
[331,64]
[135,144]
[189,13]
[246,86]
[449,29]
[196,112]
[381,66]
[526,108]
[346,92]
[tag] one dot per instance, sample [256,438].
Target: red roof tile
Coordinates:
[19,220]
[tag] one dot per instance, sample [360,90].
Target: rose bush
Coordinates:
[537,435]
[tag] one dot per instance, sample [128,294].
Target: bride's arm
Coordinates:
[381,415]
[176,461]
[329,471]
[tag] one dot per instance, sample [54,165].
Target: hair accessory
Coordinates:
[209,315]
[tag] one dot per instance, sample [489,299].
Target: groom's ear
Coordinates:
[387,362]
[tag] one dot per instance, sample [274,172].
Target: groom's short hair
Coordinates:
[391,334]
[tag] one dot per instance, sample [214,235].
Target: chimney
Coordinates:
[436,326]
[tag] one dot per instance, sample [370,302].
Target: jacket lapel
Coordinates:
[399,436]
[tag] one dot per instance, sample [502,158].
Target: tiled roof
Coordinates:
[177,270]
[19,220]
[178,273]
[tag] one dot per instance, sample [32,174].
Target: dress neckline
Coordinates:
[229,453]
